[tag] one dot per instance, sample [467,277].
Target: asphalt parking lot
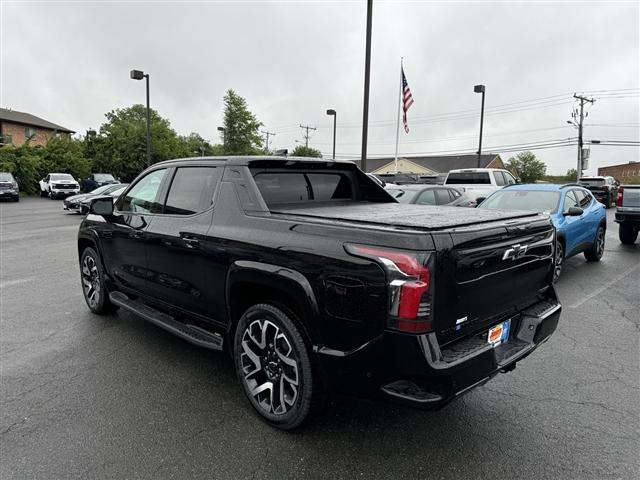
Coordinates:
[115,397]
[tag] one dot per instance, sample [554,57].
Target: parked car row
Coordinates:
[80,203]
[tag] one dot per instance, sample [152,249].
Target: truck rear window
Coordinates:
[592,182]
[296,187]
[461,178]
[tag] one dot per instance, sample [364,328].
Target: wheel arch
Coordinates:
[249,283]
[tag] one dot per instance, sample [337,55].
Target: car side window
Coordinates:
[427,197]
[509,179]
[442,196]
[570,200]
[499,178]
[584,198]
[142,197]
[191,190]
[454,194]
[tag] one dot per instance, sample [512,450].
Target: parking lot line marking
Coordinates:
[10,283]
[605,286]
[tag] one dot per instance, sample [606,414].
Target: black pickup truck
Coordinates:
[316,280]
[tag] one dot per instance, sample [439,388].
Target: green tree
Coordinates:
[241,128]
[571,175]
[194,145]
[302,151]
[121,145]
[527,167]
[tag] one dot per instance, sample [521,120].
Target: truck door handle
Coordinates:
[191,242]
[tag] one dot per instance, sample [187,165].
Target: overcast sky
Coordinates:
[69,63]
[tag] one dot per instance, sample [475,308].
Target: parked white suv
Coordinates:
[57,185]
[479,182]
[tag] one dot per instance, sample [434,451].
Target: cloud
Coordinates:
[69,63]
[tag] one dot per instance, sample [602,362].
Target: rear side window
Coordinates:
[442,196]
[475,178]
[499,178]
[191,190]
[295,187]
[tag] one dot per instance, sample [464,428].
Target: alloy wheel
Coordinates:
[600,242]
[269,367]
[91,281]
[559,258]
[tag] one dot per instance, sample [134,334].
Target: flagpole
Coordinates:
[398,119]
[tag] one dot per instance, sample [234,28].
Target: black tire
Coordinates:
[43,193]
[272,360]
[95,292]
[594,254]
[558,261]
[16,199]
[627,233]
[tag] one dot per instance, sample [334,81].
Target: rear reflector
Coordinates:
[620,195]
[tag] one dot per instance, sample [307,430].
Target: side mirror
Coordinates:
[101,206]
[574,212]
[479,200]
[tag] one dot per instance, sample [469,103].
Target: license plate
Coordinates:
[499,333]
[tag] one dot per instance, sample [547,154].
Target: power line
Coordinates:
[306,135]
[266,142]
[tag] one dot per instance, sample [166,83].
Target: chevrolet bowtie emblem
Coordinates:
[515,252]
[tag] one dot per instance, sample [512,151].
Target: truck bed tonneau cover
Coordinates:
[399,215]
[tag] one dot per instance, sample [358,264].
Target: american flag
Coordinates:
[407,101]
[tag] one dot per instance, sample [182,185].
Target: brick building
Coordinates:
[17,127]
[625,172]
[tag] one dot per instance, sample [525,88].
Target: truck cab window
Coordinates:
[191,190]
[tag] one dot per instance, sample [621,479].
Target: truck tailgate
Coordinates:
[489,274]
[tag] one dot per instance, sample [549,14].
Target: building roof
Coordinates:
[440,164]
[8,115]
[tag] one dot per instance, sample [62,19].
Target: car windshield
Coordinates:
[118,191]
[103,177]
[537,201]
[402,195]
[593,182]
[475,178]
[103,189]
[61,176]
[6,177]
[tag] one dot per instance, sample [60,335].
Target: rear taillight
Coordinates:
[620,194]
[408,280]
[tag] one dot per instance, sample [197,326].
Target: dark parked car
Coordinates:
[76,202]
[605,189]
[628,213]
[9,187]
[96,180]
[315,280]
[421,194]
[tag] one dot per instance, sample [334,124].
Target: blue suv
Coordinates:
[580,220]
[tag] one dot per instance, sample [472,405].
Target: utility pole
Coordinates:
[578,118]
[306,135]
[266,142]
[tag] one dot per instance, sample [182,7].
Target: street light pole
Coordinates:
[367,76]
[480,89]
[139,75]
[333,113]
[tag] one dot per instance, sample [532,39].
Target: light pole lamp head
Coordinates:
[136,74]
[331,112]
[479,88]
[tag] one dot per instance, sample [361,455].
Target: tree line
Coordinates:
[119,145]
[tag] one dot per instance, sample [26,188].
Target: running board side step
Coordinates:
[191,333]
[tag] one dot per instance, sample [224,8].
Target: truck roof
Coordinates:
[458,170]
[245,160]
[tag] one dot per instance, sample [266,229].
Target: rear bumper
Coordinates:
[627,217]
[417,371]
